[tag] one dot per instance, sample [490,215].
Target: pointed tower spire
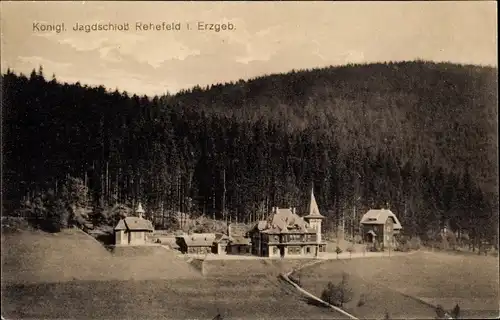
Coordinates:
[314,219]
[140,211]
[313,205]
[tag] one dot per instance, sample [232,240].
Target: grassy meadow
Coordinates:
[236,298]
[71,276]
[403,285]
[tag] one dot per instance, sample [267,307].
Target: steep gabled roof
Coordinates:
[238,229]
[283,221]
[313,208]
[199,239]
[220,236]
[135,224]
[239,240]
[380,216]
[261,225]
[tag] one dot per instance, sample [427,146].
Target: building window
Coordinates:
[294,250]
[295,237]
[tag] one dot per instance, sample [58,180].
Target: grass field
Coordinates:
[250,267]
[36,256]
[236,298]
[436,278]
[71,276]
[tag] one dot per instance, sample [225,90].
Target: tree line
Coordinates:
[417,137]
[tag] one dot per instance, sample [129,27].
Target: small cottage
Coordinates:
[196,243]
[240,245]
[379,227]
[132,231]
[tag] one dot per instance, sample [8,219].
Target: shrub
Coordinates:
[443,244]
[455,313]
[112,215]
[14,223]
[328,293]
[351,250]
[452,240]
[415,243]
[338,295]
[171,223]
[358,239]
[403,247]
[295,279]
[387,316]
[440,313]
[362,300]
[338,251]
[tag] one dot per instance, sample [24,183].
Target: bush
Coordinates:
[387,316]
[338,251]
[362,300]
[351,250]
[402,247]
[14,223]
[358,239]
[374,248]
[443,244]
[112,215]
[452,240]
[440,313]
[415,243]
[295,279]
[455,313]
[339,294]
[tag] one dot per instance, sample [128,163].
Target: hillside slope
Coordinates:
[38,257]
[440,112]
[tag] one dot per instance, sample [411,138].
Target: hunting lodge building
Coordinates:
[286,234]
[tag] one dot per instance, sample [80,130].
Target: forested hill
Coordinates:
[419,136]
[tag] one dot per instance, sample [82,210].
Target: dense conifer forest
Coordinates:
[418,137]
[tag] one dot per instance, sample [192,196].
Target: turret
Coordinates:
[140,211]
[314,218]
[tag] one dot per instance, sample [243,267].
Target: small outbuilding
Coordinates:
[196,243]
[132,231]
[239,245]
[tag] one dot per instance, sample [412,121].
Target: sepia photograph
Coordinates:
[249,160]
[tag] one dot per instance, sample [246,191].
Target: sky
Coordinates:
[268,37]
